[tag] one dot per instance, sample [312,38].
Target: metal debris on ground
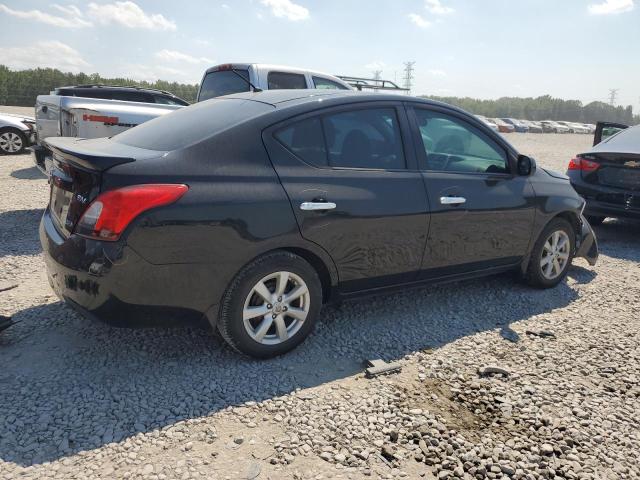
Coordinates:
[380,367]
[493,370]
[541,334]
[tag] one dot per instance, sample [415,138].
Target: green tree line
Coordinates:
[20,88]
[545,108]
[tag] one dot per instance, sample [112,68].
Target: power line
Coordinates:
[408,75]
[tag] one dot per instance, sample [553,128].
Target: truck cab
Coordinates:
[233,78]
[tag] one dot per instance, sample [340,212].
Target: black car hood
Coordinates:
[559,175]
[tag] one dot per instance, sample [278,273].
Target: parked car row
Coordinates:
[509,125]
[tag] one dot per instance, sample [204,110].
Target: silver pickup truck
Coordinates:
[94,111]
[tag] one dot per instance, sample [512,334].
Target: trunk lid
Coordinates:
[617,170]
[77,172]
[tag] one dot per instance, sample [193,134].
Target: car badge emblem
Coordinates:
[632,164]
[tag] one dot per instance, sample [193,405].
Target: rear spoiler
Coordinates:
[360,83]
[98,154]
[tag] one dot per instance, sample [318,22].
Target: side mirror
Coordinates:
[526,165]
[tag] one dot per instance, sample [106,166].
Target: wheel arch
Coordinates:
[327,280]
[568,215]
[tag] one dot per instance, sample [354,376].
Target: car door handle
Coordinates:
[452,200]
[317,206]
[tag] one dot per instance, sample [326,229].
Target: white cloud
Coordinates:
[175,56]
[436,7]
[287,9]
[130,15]
[151,73]
[437,73]
[611,6]
[225,6]
[68,9]
[51,53]
[419,20]
[73,18]
[375,65]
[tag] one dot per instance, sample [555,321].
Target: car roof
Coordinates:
[287,98]
[269,66]
[119,88]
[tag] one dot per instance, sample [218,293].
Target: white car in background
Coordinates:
[574,127]
[17,132]
[490,123]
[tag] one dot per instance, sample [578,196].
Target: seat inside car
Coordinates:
[356,150]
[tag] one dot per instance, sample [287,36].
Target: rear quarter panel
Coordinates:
[235,209]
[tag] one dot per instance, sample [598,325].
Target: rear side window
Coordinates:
[165,100]
[368,138]
[365,138]
[191,124]
[127,96]
[283,80]
[326,84]
[223,82]
[305,139]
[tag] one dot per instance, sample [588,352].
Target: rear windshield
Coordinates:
[191,124]
[223,82]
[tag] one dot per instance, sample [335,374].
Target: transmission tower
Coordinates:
[613,93]
[377,76]
[408,75]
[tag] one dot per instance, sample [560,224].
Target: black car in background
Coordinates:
[122,93]
[608,175]
[255,209]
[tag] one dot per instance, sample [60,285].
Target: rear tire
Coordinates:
[271,305]
[595,221]
[551,255]
[12,141]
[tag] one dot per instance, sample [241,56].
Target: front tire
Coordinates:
[12,141]
[271,305]
[551,255]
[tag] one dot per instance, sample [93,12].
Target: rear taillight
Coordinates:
[112,211]
[583,164]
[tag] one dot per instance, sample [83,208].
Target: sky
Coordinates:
[572,49]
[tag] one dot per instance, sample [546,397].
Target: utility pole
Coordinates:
[408,75]
[613,93]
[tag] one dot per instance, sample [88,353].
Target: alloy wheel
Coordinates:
[276,308]
[555,255]
[10,142]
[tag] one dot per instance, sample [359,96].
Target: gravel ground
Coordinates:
[559,399]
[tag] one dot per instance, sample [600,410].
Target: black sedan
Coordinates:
[608,175]
[255,209]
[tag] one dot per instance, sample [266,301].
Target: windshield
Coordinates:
[223,82]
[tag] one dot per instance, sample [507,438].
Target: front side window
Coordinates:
[223,82]
[283,80]
[452,145]
[326,84]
